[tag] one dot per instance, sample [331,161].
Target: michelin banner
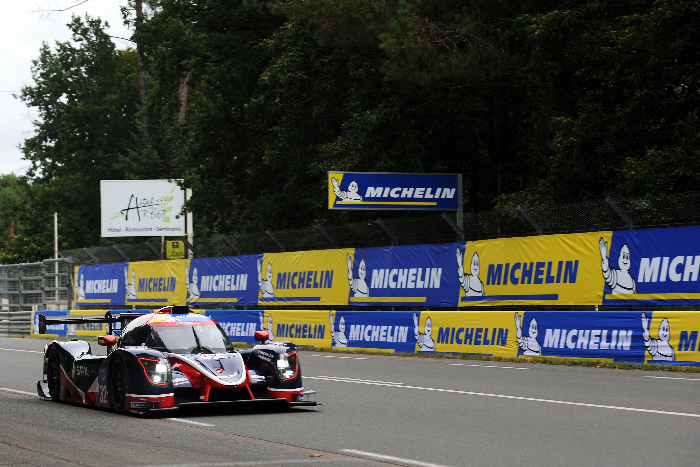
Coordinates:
[654,266]
[404,275]
[304,278]
[309,328]
[229,280]
[655,337]
[662,337]
[638,267]
[157,282]
[100,284]
[544,270]
[364,190]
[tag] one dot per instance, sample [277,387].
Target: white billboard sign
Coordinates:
[142,208]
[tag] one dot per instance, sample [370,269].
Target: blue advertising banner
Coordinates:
[385,330]
[61,330]
[228,280]
[614,335]
[239,325]
[361,190]
[100,284]
[404,275]
[653,266]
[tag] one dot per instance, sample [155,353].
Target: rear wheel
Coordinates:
[53,374]
[117,385]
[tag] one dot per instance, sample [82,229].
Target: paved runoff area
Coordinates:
[375,410]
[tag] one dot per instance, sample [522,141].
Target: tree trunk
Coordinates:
[138,6]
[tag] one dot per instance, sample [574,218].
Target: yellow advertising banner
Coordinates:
[304,277]
[299,326]
[157,283]
[542,270]
[478,332]
[671,336]
[87,329]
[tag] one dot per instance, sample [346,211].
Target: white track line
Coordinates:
[20,350]
[487,366]
[303,462]
[355,380]
[391,458]
[672,377]
[191,422]
[501,396]
[338,356]
[20,392]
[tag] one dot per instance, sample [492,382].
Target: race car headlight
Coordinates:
[157,371]
[287,366]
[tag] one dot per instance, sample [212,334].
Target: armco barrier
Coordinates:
[667,337]
[15,323]
[664,337]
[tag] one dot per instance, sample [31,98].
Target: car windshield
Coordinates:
[205,338]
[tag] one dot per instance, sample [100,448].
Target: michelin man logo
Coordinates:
[619,280]
[339,338]
[424,340]
[130,286]
[350,195]
[80,289]
[358,284]
[471,284]
[266,287]
[269,325]
[528,344]
[191,283]
[659,349]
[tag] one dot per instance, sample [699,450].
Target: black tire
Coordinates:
[53,374]
[117,385]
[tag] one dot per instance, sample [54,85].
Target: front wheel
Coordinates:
[54,374]
[117,385]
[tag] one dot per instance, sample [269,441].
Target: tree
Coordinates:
[617,87]
[87,98]
[13,198]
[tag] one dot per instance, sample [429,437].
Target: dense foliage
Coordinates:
[251,102]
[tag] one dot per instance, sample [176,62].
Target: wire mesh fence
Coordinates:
[27,286]
[506,221]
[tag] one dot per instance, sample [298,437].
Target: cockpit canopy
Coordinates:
[184,334]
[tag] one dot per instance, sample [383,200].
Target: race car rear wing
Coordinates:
[108,318]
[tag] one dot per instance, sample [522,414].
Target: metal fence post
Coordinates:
[230,244]
[387,231]
[620,212]
[190,247]
[328,236]
[275,239]
[454,226]
[529,218]
[121,252]
[154,250]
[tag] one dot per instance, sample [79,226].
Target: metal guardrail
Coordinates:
[15,323]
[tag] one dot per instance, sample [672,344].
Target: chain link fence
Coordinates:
[506,221]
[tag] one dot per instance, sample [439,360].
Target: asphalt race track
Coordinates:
[376,410]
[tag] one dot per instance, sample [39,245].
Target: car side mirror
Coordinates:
[107,341]
[261,336]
